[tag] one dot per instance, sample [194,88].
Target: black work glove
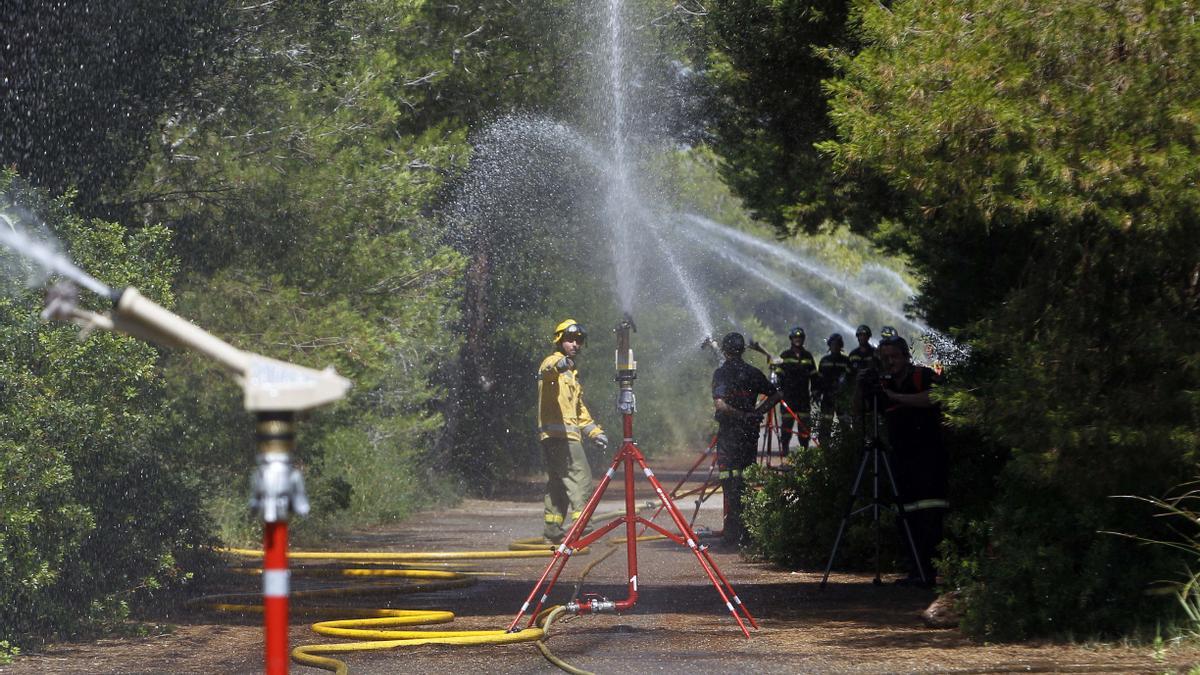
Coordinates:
[564,364]
[601,440]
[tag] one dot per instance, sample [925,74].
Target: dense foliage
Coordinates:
[1045,162]
[767,62]
[78,106]
[96,508]
[295,180]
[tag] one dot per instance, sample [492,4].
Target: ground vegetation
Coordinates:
[1043,162]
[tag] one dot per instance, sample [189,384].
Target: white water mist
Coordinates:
[45,254]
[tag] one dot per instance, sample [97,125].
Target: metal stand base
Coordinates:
[629,455]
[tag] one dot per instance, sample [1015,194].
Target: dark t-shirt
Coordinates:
[739,384]
[916,437]
[917,420]
[834,376]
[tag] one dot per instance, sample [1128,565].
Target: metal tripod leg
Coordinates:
[872,453]
[837,541]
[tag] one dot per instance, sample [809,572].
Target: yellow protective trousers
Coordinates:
[568,484]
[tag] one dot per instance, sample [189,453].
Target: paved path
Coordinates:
[679,625]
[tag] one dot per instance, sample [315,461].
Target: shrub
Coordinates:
[95,511]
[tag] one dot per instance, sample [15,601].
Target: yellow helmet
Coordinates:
[570,327]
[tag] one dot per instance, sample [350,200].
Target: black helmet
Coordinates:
[796,331]
[897,342]
[863,329]
[887,332]
[836,337]
[733,343]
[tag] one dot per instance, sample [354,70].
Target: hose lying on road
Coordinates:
[383,629]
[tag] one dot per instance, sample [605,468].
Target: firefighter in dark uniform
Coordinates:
[736,386]
[863,357]
[795,370]
[921,463]
[832,384]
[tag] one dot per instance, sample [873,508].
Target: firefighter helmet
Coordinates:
[887,332]
[733,343]
[862,330]
[796,331]
[569,328]
[836,337]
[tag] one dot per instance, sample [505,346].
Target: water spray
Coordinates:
[274,390]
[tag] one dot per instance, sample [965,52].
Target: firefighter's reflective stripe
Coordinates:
[555,429]
[553,518]
[575,515]
[729,473]
[587,431]
[922,504]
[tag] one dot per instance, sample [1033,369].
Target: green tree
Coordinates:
[1046,156]
[86,85]
[767,61]
[298,200]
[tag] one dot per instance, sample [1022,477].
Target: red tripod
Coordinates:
[771,427]
[706,489]
[771,433]
[629,454]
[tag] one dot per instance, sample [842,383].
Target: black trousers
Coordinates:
[922,472]
[926,526]
[737,445]
[787,422]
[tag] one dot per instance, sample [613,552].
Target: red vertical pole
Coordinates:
[275,578]
[631,533]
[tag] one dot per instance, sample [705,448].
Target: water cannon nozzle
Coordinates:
[625,363]
[626,324]
[753,344]
[267,383]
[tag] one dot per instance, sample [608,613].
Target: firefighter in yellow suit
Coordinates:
[563,422]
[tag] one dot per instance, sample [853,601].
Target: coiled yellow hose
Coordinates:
[381,629]
[377,629]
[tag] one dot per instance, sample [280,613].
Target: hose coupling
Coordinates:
[626,402]
[593,606]
[277,488]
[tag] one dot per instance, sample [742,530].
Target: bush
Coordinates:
[95,510]
[794,515]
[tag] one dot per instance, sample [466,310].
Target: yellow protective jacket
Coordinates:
[561,412]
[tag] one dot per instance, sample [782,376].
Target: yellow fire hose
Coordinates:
[377,629]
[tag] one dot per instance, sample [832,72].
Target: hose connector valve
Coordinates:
[277,488]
